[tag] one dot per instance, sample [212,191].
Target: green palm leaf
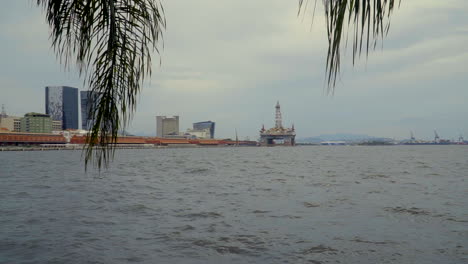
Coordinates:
[370,21]
[111,41]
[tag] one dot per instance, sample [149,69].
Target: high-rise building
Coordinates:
[88,102]
[167,126]
[205,125]
[62,104]
[36,123]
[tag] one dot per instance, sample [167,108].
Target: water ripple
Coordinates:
[237,205]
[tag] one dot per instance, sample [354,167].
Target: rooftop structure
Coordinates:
[278,135]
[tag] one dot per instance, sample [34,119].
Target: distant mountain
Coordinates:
[350,138]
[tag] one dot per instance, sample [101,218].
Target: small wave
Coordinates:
[260,212]
[412,210]
[424,167]
[457,220]
[202,243]
[135,208]
[231,250]
[93,223]
[220,248]
[202,215]
[132,259]
[185,228]
[287,216]
[196,170]
[375,176]
[319,249]
[40,186]
[309,205]
[33,221]
[359,240]
[22,195]
[280,180]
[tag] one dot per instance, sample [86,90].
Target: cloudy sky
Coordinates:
[230,61]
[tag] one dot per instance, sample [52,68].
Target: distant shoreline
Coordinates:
[82,147]
[182,146]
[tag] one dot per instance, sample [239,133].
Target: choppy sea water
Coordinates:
[401,204]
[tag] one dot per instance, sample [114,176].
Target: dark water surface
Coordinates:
[402,204]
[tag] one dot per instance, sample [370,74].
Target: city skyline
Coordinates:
[233,73]
[411,134]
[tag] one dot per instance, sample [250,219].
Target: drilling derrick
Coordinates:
[3,113]
[278,123]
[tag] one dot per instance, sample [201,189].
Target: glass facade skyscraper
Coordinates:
[62,105]
[88,101]
[205,125]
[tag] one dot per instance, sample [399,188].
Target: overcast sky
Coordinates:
[230,61]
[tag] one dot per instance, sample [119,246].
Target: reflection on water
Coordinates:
[402,204]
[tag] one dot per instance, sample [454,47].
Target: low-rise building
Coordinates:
[36,123]
[56,125]
[10,123]
[17,124]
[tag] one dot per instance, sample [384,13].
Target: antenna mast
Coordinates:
[3,114]
[436,137]
[412,136]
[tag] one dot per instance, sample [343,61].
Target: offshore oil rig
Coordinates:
[278,135]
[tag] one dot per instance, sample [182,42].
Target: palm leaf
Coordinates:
[370,20]
[111,41]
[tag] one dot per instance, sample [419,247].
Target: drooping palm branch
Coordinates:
[111,42]
[370,20]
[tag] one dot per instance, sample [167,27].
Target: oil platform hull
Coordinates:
[278,135]
[275,140]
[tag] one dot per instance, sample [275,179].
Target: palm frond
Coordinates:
[111,42]
[370,20]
